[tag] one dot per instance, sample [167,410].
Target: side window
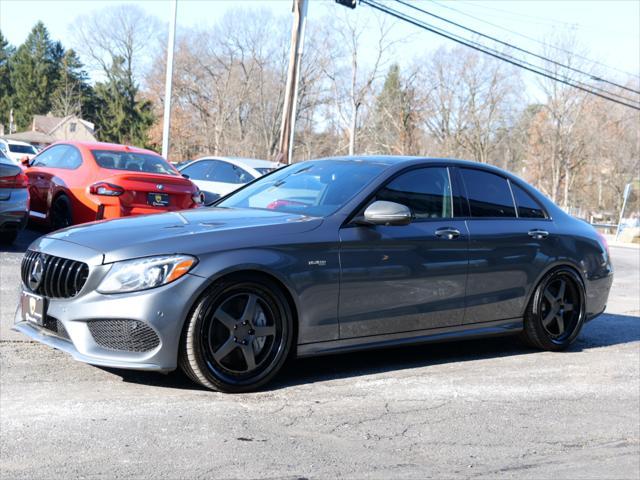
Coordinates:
[50,157]
[426,191]
[198,170]
[489,194]
[70,159]
[3,148]
[527,206]
[227,173]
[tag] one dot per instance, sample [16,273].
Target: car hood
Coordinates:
[198,231]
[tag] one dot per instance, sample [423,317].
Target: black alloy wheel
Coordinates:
[238,336]
[556,312]
[61,213]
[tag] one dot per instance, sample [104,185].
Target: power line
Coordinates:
[528,52]
[522,62]
[487,51]
[595,62]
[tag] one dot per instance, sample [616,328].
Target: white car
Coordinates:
[16,150]
[223,175]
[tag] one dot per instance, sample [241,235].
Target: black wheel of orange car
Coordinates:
[238,336]
[61,213]
[556,312]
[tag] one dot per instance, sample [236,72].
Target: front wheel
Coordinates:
[556,312]
[238,336]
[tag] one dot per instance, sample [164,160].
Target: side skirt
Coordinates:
[459,332]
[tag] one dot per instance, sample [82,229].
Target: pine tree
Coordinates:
[72,94]
[34,74]
[6,92]
[120,115]
[394,116]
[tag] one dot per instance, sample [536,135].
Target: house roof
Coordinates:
[31,137]
[48,123]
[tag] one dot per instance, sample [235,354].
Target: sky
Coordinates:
[607,31]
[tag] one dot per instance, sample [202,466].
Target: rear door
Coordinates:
[508,246]
[406,278]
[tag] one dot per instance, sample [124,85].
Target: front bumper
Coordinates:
[163,309]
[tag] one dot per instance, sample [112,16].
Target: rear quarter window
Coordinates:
[527,206]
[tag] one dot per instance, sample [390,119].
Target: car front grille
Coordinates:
[55,326]
[123,335]
[58,277]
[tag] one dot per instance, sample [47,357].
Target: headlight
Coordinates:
[144,273]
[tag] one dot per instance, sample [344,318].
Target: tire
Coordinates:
[61,213]
[238,335]
[555,314]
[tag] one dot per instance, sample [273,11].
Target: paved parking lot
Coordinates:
[485,408]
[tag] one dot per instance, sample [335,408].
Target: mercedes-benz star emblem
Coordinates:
[35,275]
[160,186]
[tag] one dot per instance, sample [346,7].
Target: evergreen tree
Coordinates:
[72,94]
[121,116]
[6,92]
[394,116]
[34,75]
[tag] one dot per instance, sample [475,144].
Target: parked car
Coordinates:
[16,150]
[317,258]
[14,200]
[78,182]
[223,175]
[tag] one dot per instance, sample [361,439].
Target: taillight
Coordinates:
[17,181]
[107,189]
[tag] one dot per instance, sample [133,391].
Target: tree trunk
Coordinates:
[352,130]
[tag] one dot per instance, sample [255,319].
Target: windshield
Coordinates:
[28,149]
[315,188]
[133,162]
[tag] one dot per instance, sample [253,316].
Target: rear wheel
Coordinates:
[61,213]
[238,336]
[555,314]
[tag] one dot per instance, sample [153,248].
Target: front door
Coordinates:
[406,278]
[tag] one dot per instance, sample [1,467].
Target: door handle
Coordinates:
[538,234]
[447,233]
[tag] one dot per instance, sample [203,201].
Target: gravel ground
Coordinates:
[485,408]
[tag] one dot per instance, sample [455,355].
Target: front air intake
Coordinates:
[123,335]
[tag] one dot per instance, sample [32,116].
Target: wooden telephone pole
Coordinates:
[285,145]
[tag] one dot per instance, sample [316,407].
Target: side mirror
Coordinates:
[387,213]
[25,161]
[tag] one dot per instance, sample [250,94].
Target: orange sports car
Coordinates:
[77,182]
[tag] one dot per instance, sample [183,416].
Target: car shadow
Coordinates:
[25,238]
[606,330]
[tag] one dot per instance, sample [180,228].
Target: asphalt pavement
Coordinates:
[484,408]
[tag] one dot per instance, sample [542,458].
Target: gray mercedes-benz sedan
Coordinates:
[319,257]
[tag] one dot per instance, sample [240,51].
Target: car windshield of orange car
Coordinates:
[133,162]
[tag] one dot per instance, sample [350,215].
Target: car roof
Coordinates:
[250,162]
[105,146]
[16,142]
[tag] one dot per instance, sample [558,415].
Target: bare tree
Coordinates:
[352,80]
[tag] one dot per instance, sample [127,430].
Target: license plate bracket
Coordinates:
[158,199]
[34,308]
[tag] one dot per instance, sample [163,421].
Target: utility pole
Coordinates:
[285,145]
[166,121]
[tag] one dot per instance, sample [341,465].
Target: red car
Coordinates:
[77,182]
